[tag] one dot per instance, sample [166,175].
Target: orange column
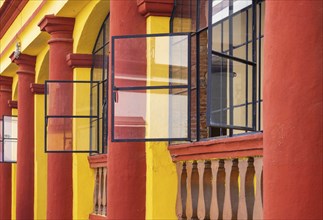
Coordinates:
[126,161]
[25,151]
[5,168]
[59,182]
[293,110]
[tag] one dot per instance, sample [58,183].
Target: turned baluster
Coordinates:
[100,193]
[227,208]
[258,210]
[201,203]
[104,192]
[242,209]
[189,203]
[214,211]
[179,205]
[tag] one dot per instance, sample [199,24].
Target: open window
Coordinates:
[150,87]
[72,120]
[8,139]
[227,71]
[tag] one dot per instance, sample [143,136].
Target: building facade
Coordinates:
[149,109]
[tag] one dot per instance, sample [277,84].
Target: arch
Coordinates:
[89,22]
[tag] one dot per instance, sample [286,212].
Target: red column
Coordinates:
[5,168]
[293,110]
[59,181]
[25,151]
[126,161]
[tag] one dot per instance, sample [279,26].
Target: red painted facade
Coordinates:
[25,152]
[126,161]
[293,110]
[5,169]
[59,182]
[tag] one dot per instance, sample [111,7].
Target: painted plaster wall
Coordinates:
[161,178]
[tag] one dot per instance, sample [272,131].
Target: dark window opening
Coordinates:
[226,64]
[99,73]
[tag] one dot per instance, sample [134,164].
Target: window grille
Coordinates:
[70,121]
[8,139]
[150,84]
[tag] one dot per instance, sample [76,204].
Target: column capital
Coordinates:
[5,80]
[26,63]
[155,7]
[60,28]
[5,84]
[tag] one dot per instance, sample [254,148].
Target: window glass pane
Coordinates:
[184,18]
[60,134]
[9,150]
[232,82]
[99,42]
[165,117]
[164,58]
[9,135]
[60,98]
[151,88]
[232,35]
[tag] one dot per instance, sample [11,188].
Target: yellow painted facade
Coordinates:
[89,16]
[161,175]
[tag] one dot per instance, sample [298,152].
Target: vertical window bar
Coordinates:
[103,90]
[46,121]
[209,62]
[231,64]
[221,78]
[254,68]
[197,48]
[189,89]
[259,68]
[98,117]
[247,69]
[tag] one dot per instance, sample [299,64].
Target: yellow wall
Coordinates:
[161,182]
[40,161]
[87,26]
[83,175]
[13,179]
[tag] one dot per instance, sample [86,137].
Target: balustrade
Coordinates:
[220,189]
[100,193]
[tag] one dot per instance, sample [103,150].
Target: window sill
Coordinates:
[97,217]
[227,147]
[99,160]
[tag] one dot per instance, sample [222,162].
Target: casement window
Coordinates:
[69,116]
[150,84]
[99,91]
[202,80]
[8,139]
[227,37]
[76,111]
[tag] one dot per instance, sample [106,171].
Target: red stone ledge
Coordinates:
[228,147]
[37,88]
[155,7]
[99,160]
[97,217]
[79,60]
[13,104]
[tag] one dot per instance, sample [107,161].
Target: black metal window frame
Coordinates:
[90,117]
[104,81]
[232,58]
[114,89]
[3,137]
[256,95]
